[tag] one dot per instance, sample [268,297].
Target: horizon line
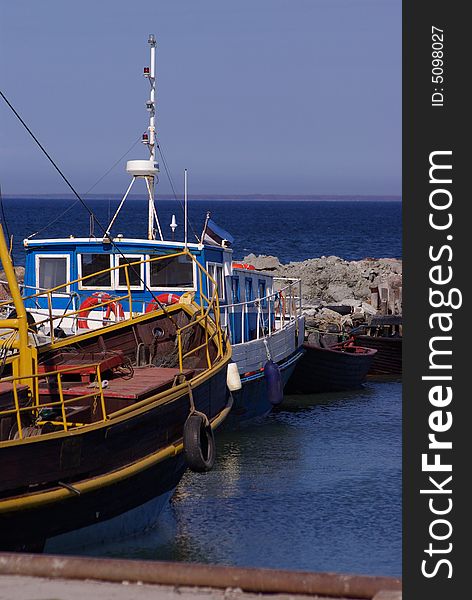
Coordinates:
[258,196]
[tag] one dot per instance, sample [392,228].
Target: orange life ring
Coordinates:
[162,299]
[116,309]
[246,266]
[97,299]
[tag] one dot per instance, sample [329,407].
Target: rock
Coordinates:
[314,338]
[350,302]
[329,339]
[338,291]
[333,280]
[368,308]
[4,289]
[262,262]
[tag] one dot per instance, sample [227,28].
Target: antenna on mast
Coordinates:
[146,169]
[185,207]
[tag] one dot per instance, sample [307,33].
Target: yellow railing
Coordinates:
[208,306]
[206,319]
[35,407]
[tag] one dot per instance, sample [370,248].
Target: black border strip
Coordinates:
[438,128]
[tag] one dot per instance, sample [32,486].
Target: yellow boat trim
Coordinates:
[138,408]
[42,498]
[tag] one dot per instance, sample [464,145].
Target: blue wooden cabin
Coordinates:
[60,262]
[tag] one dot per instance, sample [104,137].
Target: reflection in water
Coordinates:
[316,485]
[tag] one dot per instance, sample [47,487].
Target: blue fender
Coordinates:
[275,388]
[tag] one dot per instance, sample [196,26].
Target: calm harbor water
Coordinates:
[316,485]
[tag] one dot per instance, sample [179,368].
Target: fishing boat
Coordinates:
[97,428]
[261,314]
[331,369]
[383,333]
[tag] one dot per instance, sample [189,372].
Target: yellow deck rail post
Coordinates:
[61,399]
[17,409]
[128,285]
[200,278]
[25,360]
[51,318]
[102,397]
[179,341]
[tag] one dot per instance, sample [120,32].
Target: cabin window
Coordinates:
[262,292]
[248,288]
[90,267]
[235,289]
[175,272]
[216,272]
[52,271]
[135,272]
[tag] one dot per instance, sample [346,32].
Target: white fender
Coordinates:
[233,380]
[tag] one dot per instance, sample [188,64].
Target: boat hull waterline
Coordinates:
[330,369]
[27,521]
[252,400]
[388,360]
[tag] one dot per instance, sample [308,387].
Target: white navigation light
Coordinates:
[173,224]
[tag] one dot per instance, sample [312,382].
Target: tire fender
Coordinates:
[199,443]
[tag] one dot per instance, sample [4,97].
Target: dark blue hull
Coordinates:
[251,401]
[334,369]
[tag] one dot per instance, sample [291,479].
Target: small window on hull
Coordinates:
[216,272]
[176,272]
[235,289]
[248,285]
[94,263]
[134,272]
[52,271]
[262,292]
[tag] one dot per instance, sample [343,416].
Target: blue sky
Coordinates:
[254,96]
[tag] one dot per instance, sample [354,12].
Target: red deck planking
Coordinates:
[80,364]
[144,381]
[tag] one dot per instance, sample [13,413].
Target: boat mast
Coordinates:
[151,107]
[185,207]
[146,169]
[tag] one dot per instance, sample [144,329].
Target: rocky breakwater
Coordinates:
[338,294]
[4,289]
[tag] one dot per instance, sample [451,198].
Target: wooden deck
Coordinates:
[143,382]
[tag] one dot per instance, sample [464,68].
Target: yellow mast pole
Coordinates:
[20,323]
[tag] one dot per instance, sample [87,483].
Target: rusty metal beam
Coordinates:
[197,575]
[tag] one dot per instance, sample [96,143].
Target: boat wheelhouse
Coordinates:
[84,272]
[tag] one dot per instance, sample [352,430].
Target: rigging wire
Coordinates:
[85,193]
[4,218]
[7,231]
[164,162]
[84,204]
[51,160]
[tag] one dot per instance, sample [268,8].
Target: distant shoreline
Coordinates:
[235,197]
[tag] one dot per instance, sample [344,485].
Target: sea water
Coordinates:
[292,230]
[314,486]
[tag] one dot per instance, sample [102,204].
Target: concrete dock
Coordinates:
[14,587]
[44,577]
